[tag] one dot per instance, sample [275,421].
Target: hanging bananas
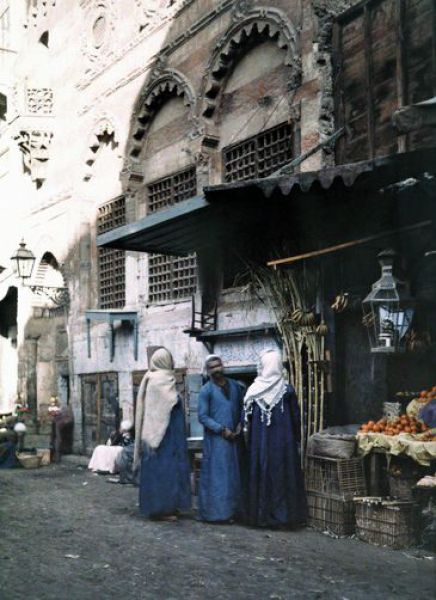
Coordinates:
[340,303]
[322,329]
[296,316]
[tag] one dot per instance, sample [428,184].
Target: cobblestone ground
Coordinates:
[67,533]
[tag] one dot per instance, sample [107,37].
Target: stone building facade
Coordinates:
[109,119]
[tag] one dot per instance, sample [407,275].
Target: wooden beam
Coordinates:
[345,245]
[289,167]
[338,92]
[369,81]
[401,71]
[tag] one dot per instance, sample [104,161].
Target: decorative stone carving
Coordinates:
[162,84]
[35,146]
[103,133]
[38,9]
[105,60]
[100,24]
[131,175]
[240,9]
[237,352]
[149,13]
[39,101]
[202,159]
[271,23]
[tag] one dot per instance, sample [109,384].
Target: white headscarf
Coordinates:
[156,398]
[269,387]
[126,425]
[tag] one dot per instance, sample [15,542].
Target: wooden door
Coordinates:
[89,412]
[109,405]
[100,408]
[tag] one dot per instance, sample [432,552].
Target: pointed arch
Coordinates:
[266,23]
[168,84]
[48,272]
[104,133]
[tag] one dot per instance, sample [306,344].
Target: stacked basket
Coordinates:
[331,485]
[386,522]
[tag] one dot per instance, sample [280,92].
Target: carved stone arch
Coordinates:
[49,280]
[168,83]
[104,131]
[271,24]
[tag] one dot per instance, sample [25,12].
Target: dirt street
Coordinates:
[68,534]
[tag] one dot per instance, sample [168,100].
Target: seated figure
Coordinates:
[8,448]
[104,459]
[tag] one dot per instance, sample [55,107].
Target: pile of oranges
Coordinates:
[401,424]
[427,395]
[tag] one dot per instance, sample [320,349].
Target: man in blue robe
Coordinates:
[219,411]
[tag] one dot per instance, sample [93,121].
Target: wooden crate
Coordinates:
[336,516]
[336,477]
[386,522]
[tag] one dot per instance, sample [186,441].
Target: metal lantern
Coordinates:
[24,260]
[387,309]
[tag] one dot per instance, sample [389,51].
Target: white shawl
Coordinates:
[156,398]
[269,387]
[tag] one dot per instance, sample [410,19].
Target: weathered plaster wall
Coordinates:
[97,74]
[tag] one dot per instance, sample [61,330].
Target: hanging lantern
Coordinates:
[24,260]
[388,309]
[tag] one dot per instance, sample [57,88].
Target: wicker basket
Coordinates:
[385,522]
[44,453]
[29,461]
[337,477]
[331,514]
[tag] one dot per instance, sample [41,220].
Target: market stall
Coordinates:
[377,482]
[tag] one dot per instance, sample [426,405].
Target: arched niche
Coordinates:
[166,147]
[260,26]
[101,145]
[169,87]
[255,94]
[49,275]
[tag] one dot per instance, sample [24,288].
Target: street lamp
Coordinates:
[24,261]
[388,309]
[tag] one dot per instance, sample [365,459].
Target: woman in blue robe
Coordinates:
[275,495]
[160,440]
[219,411]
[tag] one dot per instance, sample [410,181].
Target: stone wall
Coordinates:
[93,86]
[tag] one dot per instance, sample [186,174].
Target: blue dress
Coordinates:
[164,484]
[220,489]
[276,494]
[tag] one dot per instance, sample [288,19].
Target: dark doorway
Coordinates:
[100,408]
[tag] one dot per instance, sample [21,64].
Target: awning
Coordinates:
[368,176]
[177,230]
[304,202]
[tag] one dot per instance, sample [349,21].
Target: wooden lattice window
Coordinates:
[111,262]
[170,277]
[258,156]
[172,189]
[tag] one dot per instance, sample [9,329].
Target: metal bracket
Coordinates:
[58,295]
[110,317]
